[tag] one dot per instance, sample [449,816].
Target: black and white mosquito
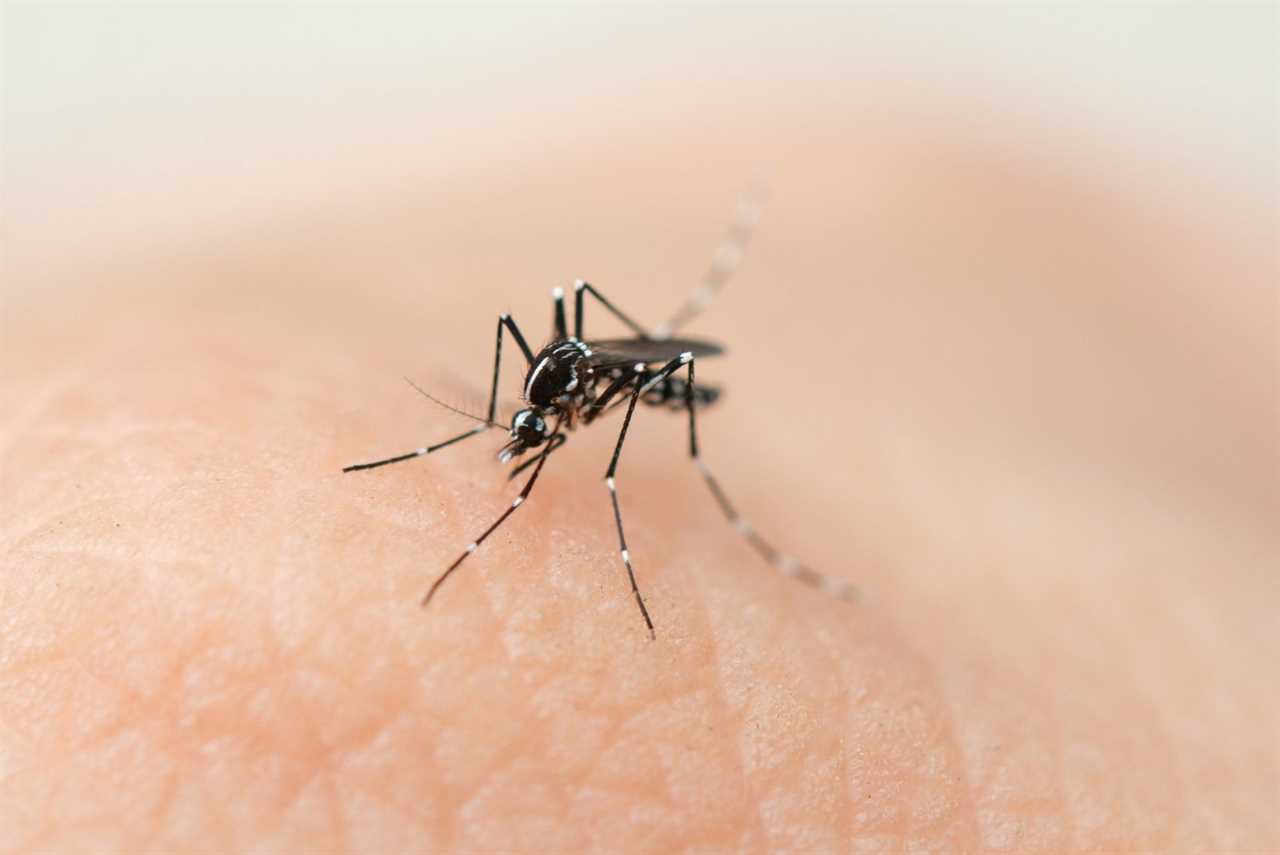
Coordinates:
[575,380]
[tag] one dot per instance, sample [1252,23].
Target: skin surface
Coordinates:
[1025,402]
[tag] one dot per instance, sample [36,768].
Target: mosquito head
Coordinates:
[529,429]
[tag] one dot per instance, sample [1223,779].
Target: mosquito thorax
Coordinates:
[561,368]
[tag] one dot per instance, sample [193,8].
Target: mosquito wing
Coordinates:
[628,351]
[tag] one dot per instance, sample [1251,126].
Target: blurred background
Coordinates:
[1003,351]
[1001,237]
[108,99]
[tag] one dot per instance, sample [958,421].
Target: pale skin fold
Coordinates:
[1027,409]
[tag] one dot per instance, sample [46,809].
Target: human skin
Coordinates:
[1025,406]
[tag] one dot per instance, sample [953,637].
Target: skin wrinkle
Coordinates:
[734,717]
[176,672]
[767,647]
[29,812]
[1190,782]
[1001,758]
[845,806]
[339,835]
[507,755]
[161,812]
[899,819]
[626,721]
[1121,645]
[922,824]
[844,811]
[612,556]
[309,759]
[173,728]
[1055,742]
[615,734]
[812,632]
[502,776]
[1017,793]
[856,797]
[624,744]
[843,820]
[960,795]
[420,780]
[536,739]
[1127,754]
[326,583]
[1160,736]
[732,723]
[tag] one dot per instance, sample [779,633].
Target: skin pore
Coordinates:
[1023,405]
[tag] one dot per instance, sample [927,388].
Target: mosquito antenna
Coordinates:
[725,260]
[424,393]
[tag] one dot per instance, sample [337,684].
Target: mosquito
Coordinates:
[575,380]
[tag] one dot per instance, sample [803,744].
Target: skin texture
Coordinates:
[1025,401]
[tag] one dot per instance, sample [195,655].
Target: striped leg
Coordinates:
[724,263]
[784,563]
[580,290]
[559,328]
[555,442]
[475,544]
[613,486]
[417,452]
[504,321]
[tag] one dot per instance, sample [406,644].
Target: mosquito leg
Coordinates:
[593,410]
[475,544]
[784,563]
[560,326]
[724,262]
[655,381]
[417,452]
[613,495]
[555,442]
[580,289]
[504,321]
